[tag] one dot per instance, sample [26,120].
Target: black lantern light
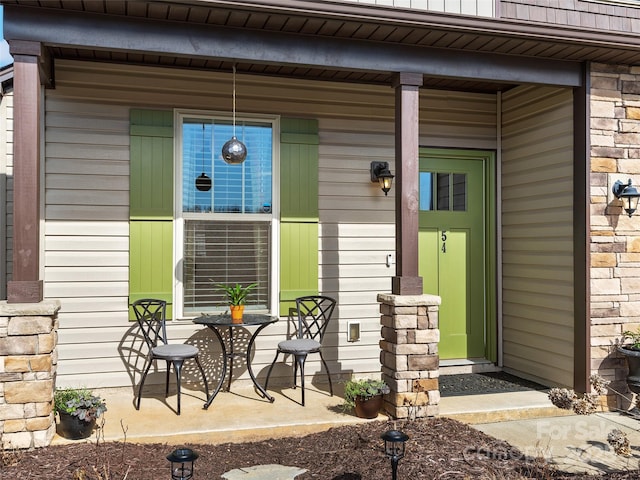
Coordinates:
[182,460]
[394,441]
[381,174]
[628,194]
[234,151]
[203,182]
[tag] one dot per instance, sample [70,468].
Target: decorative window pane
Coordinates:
[450,190]
[426,191]
[459,192]
[442,189]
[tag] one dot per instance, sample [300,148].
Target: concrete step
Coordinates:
[499,407]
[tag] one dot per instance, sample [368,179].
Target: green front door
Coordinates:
[454,248]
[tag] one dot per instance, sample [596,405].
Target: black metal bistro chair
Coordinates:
[314,313]
[151,316]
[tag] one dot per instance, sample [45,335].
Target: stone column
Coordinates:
[28,359]
[409,354]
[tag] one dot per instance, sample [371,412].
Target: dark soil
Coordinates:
[438,448]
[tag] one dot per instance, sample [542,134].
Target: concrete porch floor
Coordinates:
[237,416]
[242,415]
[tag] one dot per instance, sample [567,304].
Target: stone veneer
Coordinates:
[615,238]
[28,339]
[409,354]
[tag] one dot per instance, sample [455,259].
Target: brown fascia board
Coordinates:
[94,31]
[384,15]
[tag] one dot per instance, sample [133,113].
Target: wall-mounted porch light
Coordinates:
[380,173]
[628,194]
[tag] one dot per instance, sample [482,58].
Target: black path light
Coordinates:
[394,441]
[182,463]
[628,194]
[234,151]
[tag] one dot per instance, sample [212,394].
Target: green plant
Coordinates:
[79,402]
[634,336]
[363,389]
[237,294]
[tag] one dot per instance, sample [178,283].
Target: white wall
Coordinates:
[6,190]
[483,8]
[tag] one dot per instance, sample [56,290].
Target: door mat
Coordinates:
[482,383]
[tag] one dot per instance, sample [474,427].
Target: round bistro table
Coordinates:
[216,323]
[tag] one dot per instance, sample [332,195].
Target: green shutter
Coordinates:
[151,206]
[299,210]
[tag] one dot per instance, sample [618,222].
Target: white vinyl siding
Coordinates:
[537,227]
[6,190]
[483,8]
[86,259]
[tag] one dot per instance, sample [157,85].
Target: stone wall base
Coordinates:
[409,354]
[28,339]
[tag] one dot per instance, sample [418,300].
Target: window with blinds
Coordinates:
[227,230]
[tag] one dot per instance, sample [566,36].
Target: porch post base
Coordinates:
[406,285]
[409,354]
[26,291]
[28,346]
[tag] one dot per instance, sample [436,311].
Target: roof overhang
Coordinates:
[336,41]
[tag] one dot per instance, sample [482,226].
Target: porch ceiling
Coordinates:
[437,33]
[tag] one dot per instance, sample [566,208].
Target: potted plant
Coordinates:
[77,409]
[630,348]
[237,296]
[365,396]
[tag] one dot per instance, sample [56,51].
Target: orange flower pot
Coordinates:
[236,313]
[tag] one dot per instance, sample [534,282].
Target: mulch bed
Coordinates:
[438,448]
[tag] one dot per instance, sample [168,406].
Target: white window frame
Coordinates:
[179,216]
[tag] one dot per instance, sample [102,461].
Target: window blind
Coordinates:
[220,252]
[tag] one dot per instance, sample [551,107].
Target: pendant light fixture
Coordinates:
[234,151]
[203,182]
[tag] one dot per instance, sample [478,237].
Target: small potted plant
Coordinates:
[630,348]
[237,297]
[77,409]
[365,396]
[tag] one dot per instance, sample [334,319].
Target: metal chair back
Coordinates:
[314,313]
[151,316]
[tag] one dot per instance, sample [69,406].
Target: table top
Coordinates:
[224,320]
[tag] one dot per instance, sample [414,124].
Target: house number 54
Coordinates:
[444,241]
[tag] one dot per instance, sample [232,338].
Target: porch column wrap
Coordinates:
[409,354]
[407,134]
[25,285]
[28,353]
